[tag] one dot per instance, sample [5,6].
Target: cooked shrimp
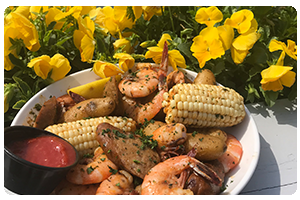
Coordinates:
[116,184]
[169,139]
[162,178]
[95,172]
[141,112]
[233,153]
[175,77]
[170,135]
[140,83]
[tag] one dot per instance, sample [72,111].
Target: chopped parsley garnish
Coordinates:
[112,170]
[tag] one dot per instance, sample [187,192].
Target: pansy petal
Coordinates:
[290,50]
[280,60]
[177,58]
[164,38]
[209,16]
[238,56]
[61,66]
[274,72]
[50,17]
[275,45]
[216,49]
[41,66]
[209,34]
[288,79]
[226,34]
[88,47]
[202,58]
[274,86]
[199,44]
[291,45]
[77,37]
[245,42]
[153,52]
[105,69]
[126,61]
[123,43]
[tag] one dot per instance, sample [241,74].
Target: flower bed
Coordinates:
[250,49]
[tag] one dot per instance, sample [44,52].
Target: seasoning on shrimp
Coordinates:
[142,88]
[95,172]
[163,177]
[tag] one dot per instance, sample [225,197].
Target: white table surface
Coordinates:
[276,171]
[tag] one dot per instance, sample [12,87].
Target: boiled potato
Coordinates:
[95,107]
[148,130]
[205,77]
[209,143]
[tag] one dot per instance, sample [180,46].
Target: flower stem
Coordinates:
[171,18]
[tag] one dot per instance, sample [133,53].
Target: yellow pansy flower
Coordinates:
[86,9]
[106,69]
[127,48]
[7,63]
[274,77]
[9,31]
[209,16]
[50,16]
[42,65]
[114,20]
[23,29]
[37,9]
[207,45]
[23,10]
[174,56]
[243,43]
[240,20]
[126,61]
[84,38]
[290,49]
[149,11]
[137,11]
[99,15]
[75,11]
[19,27]
[226,35]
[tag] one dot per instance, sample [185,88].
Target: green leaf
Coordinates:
[47,37]
[256,69]
[61,41]
[252,93]
[185,49]
[15,61]
[218,68]
[23,86]
[270,96]
[19,104]
[258,55]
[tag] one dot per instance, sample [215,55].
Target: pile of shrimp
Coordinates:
[173,174]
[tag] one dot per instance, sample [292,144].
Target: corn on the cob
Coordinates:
[201,105]
[82,133]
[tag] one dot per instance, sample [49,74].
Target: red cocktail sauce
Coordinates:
[47,150]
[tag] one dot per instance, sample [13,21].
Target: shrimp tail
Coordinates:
[162,73]
[164,58]
[206,172]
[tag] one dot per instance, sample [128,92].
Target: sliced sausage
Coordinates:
[126,150]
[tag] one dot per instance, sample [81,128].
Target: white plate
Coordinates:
[246,132]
